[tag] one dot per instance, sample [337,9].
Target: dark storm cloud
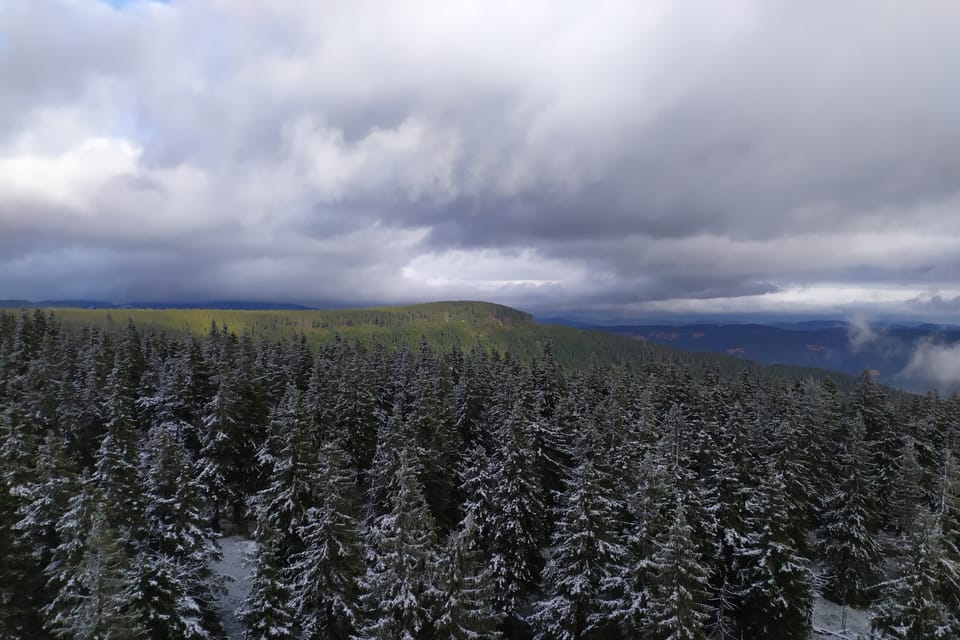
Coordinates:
[614,156]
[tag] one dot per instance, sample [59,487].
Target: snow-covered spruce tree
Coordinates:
[679,605]
[18,568]
[948,527]
[400,590]
[471,398]
[549,435]
[173,586]
[681,436]
[41,504]
[182,389]
[90,571]
[851,553]
[289,461]
[224,442]
[583,582]
[466,610]
[912,607]
[267,613]
[393,435]
[356,409]
[776,583]
[883,439]
[116,471]
[907,500]
[516,515]
[325,572]
[791,442]
[648,506]
[437,440]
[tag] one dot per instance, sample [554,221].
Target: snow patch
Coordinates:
[236,567]
[828,622]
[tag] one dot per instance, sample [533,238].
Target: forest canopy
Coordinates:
[427,492]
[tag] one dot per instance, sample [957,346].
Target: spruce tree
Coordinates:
[776,589]
[516,514]
[466,610]
[90,571]
[173,585]
[583,580]
[851,553]
[678,608]
[912,607]
[325,572]
[400,590]
[268,613]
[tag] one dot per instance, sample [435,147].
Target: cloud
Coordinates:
[860,333]
[934,362]
[555,155]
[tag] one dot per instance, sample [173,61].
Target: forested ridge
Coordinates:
[424,493]
[445,326]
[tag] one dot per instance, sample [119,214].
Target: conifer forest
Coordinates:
[419,494]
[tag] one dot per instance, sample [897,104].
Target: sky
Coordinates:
[610,158]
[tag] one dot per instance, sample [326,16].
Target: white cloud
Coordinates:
[935,363]
[611,154]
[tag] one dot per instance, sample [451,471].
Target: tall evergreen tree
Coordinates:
[516,515]
[173,587]
[776,593]
[400,589]
[912,608]
[268,613]
[583,581]
[466,610]
[679,609]
[91,571]
[325,572]
[850,551]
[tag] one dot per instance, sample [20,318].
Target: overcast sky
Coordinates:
[603,157]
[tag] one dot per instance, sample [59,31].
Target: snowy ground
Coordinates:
[235,565]
[827,622]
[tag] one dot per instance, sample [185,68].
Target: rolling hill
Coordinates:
[445,325]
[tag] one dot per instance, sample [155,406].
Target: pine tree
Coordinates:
[400,588]
[225,441]
[516,514]
[267,613]
[173,587]
[912,608]
[90,570]
[289,462]
[776,582]
[117,472]
[437,440]
[325,573]
[947,521]
[647,506]
[40,505]
[466,611]
[851,554]
[679,609]
[583,581]
[907,498]
[882,439]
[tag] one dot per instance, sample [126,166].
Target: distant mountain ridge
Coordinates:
[840,346]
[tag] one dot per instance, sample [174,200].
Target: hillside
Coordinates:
[445,325]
